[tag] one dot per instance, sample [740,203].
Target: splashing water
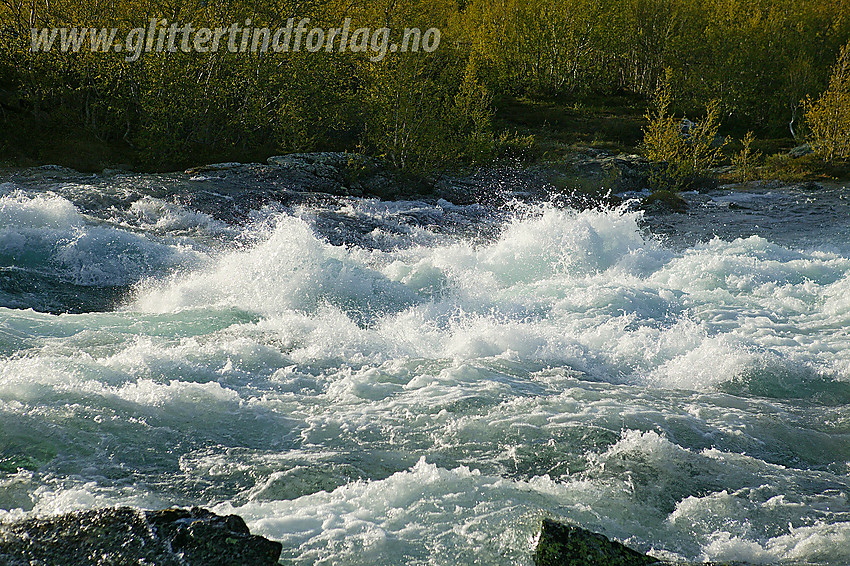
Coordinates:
[414,395]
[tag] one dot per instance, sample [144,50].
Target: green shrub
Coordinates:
[829,116]
[425,113]
[746,160]
[682,157]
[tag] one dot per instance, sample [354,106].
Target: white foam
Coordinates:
[570,366]
[42,211]
[156,214]
[425,515]
[586,288]
[48,234]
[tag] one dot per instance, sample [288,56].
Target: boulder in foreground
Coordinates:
[569,545]
[124,536]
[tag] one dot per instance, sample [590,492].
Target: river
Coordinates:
[418,382]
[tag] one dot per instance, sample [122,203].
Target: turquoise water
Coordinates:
[419,383]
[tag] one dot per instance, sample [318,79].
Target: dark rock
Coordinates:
[801,150]
[719,141]
[493,185]
[723,170]
[345,174]
[569,545]
[298,172]
[327,165]
[617,173]
[202,537]
[369,176]
[125,536]
[809,186]
[213,167]
[352,174]
[120,169]
[664,201]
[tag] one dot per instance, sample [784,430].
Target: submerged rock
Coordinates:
[809,186]
[569,545]
[664,201]
[125,536]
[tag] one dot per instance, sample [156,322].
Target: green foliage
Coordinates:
[828,117]
[470,118]
[662,137]
[425,113]
[787,169]
[761,57]
[542,47]
[746,160]
[428,111]
[682,156]
[516,148]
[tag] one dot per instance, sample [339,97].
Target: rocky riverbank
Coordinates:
[347,174]
[586,178]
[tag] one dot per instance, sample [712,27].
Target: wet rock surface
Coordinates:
[661,202]
[124,536]
[615,172]
[569,545]
[562,544]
